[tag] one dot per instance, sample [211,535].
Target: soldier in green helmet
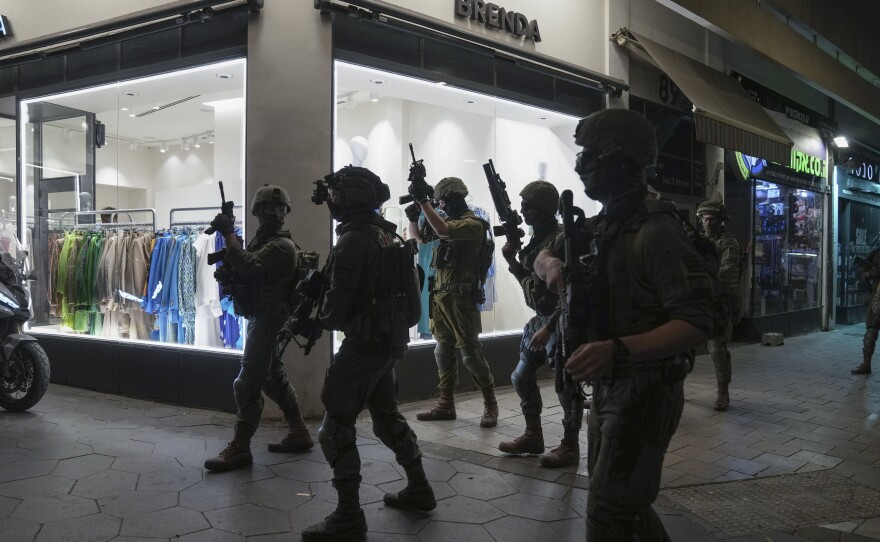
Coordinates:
[455,318]
[540,200]
[268,264]
[713,215]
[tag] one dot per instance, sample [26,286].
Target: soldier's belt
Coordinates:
[459,288]
[630,369]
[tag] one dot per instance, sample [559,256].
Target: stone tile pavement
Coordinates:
[797,457]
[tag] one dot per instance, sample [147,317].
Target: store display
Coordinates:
[787,248]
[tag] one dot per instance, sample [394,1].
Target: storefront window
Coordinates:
[455,131]
[859,233]
[787,248]
[119,183]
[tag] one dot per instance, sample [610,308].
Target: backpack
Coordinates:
[395,286]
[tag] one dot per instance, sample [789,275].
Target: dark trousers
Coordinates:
[631,422]
[362,376]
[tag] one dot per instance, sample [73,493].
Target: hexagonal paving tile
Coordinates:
[92,528]
[310,513]
[203,496]
[381,519]
[460,509]
[18,530]
[535,507]
[378,472]
[26,468]
[143,463]
[481,486]
[175,479]
[441,531]
[124,447]
[304,471]
[249,520]
[515,529]
[105,484]
[532,486]
[215,535]
[168,523]
[42,486]
[278,493]
[570,530]
[9,455]
[64,451]
[54,508]
[82,467]
[135,503]
[179,446]
[368,494]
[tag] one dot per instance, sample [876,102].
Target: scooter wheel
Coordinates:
[27,377]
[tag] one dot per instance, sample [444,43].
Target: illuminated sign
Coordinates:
[749,166]
[868,171]
[497,17]
[5,31]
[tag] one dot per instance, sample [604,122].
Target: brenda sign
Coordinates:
[495,16]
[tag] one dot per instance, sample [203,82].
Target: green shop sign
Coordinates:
[750,166]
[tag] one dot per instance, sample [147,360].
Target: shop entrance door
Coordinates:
[59,168]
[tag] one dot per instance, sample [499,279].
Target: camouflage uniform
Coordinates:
[729,254]
[269,263]
[455,319]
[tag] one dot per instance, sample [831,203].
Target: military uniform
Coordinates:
[361,373]
[872,322]
[729,254]
[650,274]
[455,319]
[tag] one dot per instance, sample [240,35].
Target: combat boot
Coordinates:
[490,409]
[722,401]
[530,442]
[567,453]
[443,410]
[297,439]
[236,454]
[864,368]
[347,522]
[417,495]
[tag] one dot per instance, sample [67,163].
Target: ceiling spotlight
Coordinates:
[374,97]
[129,93]
[132,145]
[196,143]
[185,144]
[441,83]
[469,101]
[125,109]
[841,142]
[164,148]
[84,125]
[132,115]
[211,139]
[377,81]
[224,75]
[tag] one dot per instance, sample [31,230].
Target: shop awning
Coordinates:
[725,115]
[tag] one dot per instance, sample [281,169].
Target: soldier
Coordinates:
[361,373]
[540,201]
[870,274]
[268,269]
[455,318]
[713,215]
[650,302]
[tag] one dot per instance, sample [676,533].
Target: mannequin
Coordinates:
[359,149]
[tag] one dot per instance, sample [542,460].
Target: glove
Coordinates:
[223,224]
[306,327]
[417,172]
[419,191]
[413,211]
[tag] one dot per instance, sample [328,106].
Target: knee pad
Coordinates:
[444,352]
[336,437]
[523,377]
[245,387]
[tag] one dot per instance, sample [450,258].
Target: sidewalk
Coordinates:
[797,457]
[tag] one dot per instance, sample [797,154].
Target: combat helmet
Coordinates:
[362,187]
[623,130]
[542,195]
[716,208]
[269,193]
[450,187]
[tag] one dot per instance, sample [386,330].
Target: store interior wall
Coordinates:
[7,163]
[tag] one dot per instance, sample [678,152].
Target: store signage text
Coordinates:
[497,17]
[5,31]
[867,171]
[804,163]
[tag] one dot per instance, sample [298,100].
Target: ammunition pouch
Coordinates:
[242,292]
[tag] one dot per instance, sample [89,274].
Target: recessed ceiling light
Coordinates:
[469,101]
[156,107]
[542,118]
[132,115]
[125,109]
[224,75]
[441,83]
[377,81]
[129,93]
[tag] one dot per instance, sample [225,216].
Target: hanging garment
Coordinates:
[207,297]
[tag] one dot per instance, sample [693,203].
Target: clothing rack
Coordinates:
[194,222]
[151,223]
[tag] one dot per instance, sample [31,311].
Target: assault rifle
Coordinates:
[308,295]
[416,177]
[226,209]
[510,219]
[577,271]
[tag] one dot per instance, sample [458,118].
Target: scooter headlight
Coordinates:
[8,301]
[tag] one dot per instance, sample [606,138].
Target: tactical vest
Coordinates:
[270,291]
[457,261]
[538,297]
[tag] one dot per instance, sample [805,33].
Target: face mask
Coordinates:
[271,217]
